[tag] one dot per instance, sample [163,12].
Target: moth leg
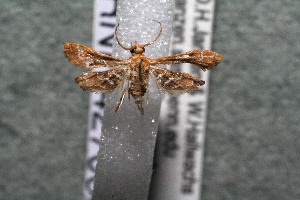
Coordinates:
[121,100]
[128,82]
[147,94]
[128,90]
[139,103]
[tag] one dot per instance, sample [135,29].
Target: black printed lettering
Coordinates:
[179,21]
[199,38]
[107,24]
[95,117]
[100,103]
[95,140]
[195,109]
[107,41]
[112,13]
[91,163]
[203,14]
[89,185]
[173,112]
[170,143]
[203,1]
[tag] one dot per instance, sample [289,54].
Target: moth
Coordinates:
[132,74]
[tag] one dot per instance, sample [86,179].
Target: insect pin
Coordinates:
[132,74]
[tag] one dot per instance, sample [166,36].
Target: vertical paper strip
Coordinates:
[179,158]
[127,144]
[103,33]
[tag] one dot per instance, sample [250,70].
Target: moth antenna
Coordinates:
[156,36]
[126,48]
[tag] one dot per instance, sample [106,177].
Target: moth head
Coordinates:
[137,49]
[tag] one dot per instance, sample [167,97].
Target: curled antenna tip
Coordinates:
[116,35]
[149,43]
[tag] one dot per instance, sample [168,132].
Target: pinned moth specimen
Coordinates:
[132,74]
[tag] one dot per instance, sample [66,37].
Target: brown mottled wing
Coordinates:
[175,81]
[205,59]
[86,57]
[105,81]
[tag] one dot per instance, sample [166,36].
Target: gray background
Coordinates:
[252,143]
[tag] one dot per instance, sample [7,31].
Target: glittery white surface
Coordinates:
[136,24]
[127,144]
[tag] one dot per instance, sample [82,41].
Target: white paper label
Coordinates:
[183,117]
[103,33]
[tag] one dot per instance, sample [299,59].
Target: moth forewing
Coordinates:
[205,59]
[86,57]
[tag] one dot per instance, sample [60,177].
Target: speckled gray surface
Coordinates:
[43,113]
[252,142]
